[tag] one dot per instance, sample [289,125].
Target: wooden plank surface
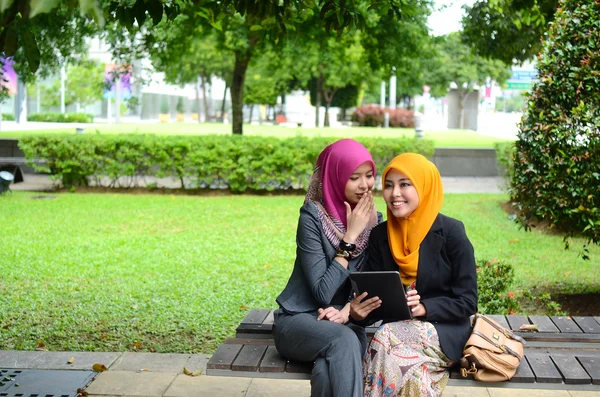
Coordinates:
[566,324]
[249,358]
[256,316]
[543,368]
[515,322]
[223,357]
[272,361]
[500,319]
[592,367]
[572,372]
[524,373]
[269,318]
[587,324]
[249,341]
[544,324]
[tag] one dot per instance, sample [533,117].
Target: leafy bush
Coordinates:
[61,117]
[238,163]
[8,117]
[494,279]
[557,156]
[374,116]
[505,152]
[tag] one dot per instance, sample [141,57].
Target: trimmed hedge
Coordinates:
[556,175]
[61,118]
[8,117]
[237,163]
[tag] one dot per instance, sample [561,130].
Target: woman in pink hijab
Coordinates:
[312,322]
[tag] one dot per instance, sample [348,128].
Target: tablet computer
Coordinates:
[388,287]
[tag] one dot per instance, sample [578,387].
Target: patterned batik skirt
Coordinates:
[405,359]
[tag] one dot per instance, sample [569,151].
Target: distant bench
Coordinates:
[563,354]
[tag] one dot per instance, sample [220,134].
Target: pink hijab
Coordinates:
[337,163]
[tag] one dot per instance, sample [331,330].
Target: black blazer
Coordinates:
[446,278]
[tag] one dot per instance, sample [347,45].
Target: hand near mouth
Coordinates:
[359,217]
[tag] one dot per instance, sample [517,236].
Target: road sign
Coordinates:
[518,85]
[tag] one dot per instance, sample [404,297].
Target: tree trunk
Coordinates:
[204,99]
[462,99]
[198,101]
[320,80]
[223,104]
[237,90]
[328,94]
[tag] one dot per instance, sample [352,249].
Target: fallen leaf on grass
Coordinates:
[99,368]
[529,327]
[71,360]
[190,373]
[41,347]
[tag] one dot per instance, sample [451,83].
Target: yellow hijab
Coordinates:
[405,235]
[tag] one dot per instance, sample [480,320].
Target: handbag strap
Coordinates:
[501,329]
[504,348]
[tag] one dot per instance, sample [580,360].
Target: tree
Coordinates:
[85,82]
[556,175]
[195,55]
[507,30]
[455,63]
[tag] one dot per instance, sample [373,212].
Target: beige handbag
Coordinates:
[492,353]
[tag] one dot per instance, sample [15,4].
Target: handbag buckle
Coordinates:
[471,371]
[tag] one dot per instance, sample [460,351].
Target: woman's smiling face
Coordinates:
[400,195]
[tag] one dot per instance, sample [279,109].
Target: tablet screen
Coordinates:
[388,287]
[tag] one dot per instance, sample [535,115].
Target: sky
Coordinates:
[447,20]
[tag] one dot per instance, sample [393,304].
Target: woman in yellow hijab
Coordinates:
[437,267]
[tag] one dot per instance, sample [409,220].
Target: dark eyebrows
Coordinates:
[400,180]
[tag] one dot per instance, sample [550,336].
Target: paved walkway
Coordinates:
[37,182]
[161,375]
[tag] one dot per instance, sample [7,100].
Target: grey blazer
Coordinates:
[317,279]
[446,278]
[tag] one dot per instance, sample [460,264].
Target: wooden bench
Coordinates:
[563,354]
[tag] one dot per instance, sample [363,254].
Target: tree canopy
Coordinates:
[508,30]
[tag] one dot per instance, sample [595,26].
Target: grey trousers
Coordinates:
[336,350]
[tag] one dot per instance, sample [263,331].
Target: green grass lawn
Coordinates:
[449,138]
[110,272]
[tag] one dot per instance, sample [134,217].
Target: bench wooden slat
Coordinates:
[592,367]
[298,367]
[223,357]
[256,316]
[500,319]
[566,324]
[250,341]
[587,324]
[544,324]
[515,321]
[249,358]
[543,368]
[272,361]
[572,372]
[269,319]
[524,373]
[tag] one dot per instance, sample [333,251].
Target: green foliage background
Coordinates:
[556,165]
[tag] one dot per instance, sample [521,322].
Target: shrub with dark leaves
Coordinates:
[556,176]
